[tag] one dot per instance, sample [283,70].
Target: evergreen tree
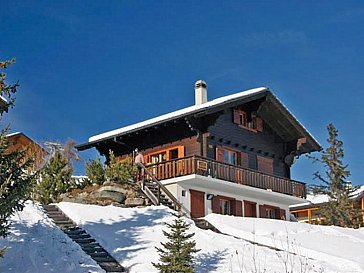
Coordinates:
[15,178]
[95,171]
[177,253]
[339,211]
[55,179]
[118,170]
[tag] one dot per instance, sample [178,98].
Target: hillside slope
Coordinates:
[131,235]
[36,245]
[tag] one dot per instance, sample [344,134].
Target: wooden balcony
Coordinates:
[212,168]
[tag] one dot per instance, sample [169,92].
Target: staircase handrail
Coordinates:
[179,206]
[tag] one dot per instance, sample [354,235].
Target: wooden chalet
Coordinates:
[20,141]
[231,155]
[309,212]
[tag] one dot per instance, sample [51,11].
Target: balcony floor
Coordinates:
[199,181]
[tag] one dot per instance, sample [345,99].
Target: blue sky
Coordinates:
[86,67]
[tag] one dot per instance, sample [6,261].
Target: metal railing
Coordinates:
[235,174]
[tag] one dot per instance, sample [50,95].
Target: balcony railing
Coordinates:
[235,174]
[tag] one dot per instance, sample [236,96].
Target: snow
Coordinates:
[178,113]
[317,198]
[323,198]
[341,248]
[131,235]
[13,134]
[36,245]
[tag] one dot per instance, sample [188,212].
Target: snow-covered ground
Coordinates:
[36,245]
[131,235]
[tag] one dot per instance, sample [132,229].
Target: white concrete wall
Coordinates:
[185,200]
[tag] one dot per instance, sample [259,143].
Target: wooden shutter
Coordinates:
[236,117]
[219,154]
[265,164]
[262,211]
[259,124]
[232,207]
[238,208]
[244,160]
[216,204]
[181,151]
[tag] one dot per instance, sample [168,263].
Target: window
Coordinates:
[225,207]
[248,121]
[183,193]
[173,154]
[158,158]
[165,155]
[230,157]
[270,213]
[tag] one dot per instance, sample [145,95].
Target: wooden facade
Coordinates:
[19,141]
[243,141]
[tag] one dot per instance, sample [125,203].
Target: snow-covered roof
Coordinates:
[13,134]
[315,199]
[178,113]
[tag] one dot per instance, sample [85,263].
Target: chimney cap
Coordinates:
[200,83]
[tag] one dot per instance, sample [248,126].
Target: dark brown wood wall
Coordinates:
[192,147]
[266,144]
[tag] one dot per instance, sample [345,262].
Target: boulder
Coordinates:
[134,202]
[115,188]
[113,195]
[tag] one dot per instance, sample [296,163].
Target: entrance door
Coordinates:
[197,204]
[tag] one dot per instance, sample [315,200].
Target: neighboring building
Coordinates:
[231,155]
[19,141]
[309,212]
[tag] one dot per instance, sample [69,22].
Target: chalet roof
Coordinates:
[17,134]
[209,107]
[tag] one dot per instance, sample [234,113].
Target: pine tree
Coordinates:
[15,178]
[339,211]
[177,253]
[118,170]
[95,171]
[55,179]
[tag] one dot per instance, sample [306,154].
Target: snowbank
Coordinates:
[340,247]
[35,245]
[131,235]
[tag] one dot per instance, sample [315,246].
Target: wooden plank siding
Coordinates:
[192,147]
[266,143]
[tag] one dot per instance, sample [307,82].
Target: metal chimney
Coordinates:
[200,92]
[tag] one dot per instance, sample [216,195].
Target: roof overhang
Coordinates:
[272,111]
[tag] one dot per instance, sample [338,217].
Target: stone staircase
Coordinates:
[84,240]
